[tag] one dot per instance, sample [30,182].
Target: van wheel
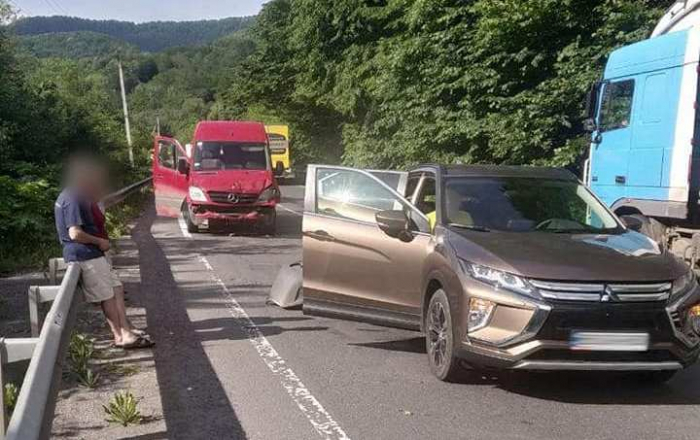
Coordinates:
[192,228]
[439,338]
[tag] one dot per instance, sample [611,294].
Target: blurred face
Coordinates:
[89,177]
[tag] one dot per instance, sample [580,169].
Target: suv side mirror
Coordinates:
[632,222]
[395,224]
[279,169]
[182,166]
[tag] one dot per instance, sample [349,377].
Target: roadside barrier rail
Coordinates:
[46,350]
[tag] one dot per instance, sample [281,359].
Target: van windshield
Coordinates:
[209,156]
[525,205]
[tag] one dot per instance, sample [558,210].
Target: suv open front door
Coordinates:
[352,269]
[170,185]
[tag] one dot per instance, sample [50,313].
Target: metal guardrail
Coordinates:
[46,349]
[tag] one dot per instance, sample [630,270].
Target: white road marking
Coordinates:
[314,411]
[289,210]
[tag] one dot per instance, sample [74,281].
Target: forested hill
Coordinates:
[150,37]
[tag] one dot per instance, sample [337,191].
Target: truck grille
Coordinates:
[232,198]
[603,292]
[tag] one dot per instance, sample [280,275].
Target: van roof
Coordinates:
[239,131]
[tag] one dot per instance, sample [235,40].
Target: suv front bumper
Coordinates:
[543,342]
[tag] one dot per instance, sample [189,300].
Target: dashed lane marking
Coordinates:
[314,411]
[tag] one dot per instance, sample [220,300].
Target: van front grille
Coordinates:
[232,198]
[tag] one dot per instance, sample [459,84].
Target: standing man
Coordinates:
[82,245]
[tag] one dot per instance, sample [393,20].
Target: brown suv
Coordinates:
[507,267]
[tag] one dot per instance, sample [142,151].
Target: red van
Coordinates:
[224,176]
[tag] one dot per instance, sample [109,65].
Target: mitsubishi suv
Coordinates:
[516,268]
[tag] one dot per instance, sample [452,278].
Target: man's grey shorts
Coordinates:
[98,280]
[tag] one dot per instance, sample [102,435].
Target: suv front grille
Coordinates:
[224,197]
[602,292]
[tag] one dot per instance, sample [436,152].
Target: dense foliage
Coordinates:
[499,81]
[75,45]
[152,37]
[379,84]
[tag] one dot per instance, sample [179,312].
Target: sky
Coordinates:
[141,10]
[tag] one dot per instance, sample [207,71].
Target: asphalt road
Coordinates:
[229,366]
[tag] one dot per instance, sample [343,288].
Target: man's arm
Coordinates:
[77,234]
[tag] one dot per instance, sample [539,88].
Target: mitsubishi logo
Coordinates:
[608,295]
[233,198]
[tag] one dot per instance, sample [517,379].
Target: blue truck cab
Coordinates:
[645,151]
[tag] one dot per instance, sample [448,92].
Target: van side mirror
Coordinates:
[395,224]
[279,169]
[632,222]
[183,167]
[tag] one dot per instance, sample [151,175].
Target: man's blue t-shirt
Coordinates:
[73,210]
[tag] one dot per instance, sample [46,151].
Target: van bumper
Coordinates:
[247,214]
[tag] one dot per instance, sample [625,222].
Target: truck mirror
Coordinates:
[592,107]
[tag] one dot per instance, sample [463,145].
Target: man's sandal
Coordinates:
[139,343]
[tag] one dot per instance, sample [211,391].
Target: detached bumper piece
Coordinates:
[231,214]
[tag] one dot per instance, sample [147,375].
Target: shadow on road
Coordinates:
[595,388]
[195,405]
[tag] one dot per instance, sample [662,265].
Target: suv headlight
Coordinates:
[269,194]
[499,279]
[683,285]
[197,195]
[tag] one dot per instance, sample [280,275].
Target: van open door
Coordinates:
[171,168]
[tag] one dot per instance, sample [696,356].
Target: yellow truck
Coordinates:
[279,150]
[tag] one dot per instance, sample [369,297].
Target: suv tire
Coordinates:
[439,338]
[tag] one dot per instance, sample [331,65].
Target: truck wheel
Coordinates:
[439,338]
[192,228]
[269,223]
[653,229]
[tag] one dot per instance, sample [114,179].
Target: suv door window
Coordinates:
[166,155]
[352,195]
[616,107]
[426,202]
[413,181]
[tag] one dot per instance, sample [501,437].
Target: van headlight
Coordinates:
[683,285]
[197,195]
[499,279]
[269,194]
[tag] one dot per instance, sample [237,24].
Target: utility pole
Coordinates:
[126,116]
[158,125]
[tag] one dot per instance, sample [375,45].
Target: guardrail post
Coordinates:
[34,319]
[4,419]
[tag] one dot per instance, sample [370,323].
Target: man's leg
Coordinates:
[117,322]
[121,305]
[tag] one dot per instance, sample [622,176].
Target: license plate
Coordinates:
[618,341]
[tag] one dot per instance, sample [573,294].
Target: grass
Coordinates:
[123,409]
[80,351]
[122,370]
[10,393]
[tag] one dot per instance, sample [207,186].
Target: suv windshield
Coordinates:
[210,156]
[517,204]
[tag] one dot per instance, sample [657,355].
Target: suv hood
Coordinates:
[238,181]
[626,257]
